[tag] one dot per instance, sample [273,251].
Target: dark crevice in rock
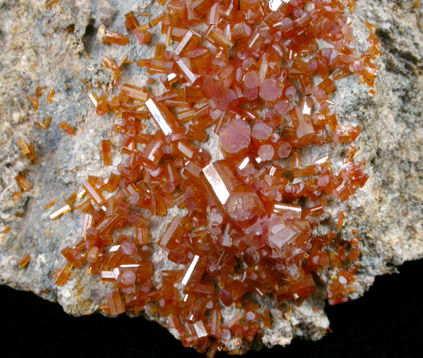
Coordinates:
[402,62]
[384,36]
[408,56]
[89,37]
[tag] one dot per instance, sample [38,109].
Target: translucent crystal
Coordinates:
[162,116]
[115,38]
[258,76]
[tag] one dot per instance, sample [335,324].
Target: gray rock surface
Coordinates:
[37,50]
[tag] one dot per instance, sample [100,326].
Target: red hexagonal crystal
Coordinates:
[252,72]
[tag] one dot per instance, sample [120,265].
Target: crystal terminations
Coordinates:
[259,76]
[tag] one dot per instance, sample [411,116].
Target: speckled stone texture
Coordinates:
[36,49]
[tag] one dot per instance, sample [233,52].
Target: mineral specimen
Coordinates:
[248,224]
[239,149]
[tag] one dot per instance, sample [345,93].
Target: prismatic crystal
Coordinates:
[256,78]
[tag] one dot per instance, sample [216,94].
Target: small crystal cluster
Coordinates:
[258,75]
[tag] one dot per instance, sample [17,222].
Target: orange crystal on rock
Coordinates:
[235,136]
[107,152]
[65,127]
[28,150]
[45,124]
[115,38]
[141,35]
[51,95]
[248,227]
[23,182]
[24,262]
[131,21]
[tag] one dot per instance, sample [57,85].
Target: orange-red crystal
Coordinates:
[258,77]
[65,127]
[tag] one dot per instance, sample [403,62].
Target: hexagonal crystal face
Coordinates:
[248,81]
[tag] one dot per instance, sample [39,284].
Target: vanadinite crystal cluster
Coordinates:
[223,155]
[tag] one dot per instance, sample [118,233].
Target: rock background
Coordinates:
[38,50]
